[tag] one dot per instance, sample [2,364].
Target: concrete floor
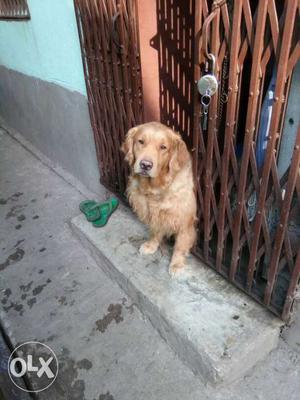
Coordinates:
[51,290]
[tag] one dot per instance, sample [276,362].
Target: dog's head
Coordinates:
[153,149]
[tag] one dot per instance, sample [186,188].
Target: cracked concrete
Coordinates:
[128,360]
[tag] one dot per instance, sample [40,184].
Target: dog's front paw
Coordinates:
[176,270]
[149,247]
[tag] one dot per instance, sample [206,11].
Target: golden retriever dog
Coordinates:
[161,188]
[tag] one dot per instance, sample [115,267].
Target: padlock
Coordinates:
[208,83]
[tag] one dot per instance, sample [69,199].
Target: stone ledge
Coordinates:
[218,331]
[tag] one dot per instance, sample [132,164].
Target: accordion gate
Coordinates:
[110,51]
[249,228]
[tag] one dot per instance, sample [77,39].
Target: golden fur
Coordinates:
[163,198]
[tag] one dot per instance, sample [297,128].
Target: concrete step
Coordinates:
[218,331]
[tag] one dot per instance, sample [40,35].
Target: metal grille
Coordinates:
[14,9]
[110,48]
[249,228]
[175,44]
[248,208]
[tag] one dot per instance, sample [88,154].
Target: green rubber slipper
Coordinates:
[85,207]
[104,211]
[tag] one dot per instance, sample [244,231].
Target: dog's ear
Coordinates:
[127,146]
[180,155]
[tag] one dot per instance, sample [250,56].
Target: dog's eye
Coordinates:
[163,147]
[141,141]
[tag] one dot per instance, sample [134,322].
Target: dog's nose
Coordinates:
[146,165]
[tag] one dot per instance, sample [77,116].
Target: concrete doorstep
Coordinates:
[218,331]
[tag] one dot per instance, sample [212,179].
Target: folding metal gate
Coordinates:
[249,214]
[248,199]
[110,51]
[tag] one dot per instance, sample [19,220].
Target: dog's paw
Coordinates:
[149,247]
[176,270]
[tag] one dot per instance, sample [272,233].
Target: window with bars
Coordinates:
[14,10]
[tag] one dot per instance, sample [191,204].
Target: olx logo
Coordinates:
[37,361]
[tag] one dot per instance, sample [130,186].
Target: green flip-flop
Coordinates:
[104,211]
[86,206]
